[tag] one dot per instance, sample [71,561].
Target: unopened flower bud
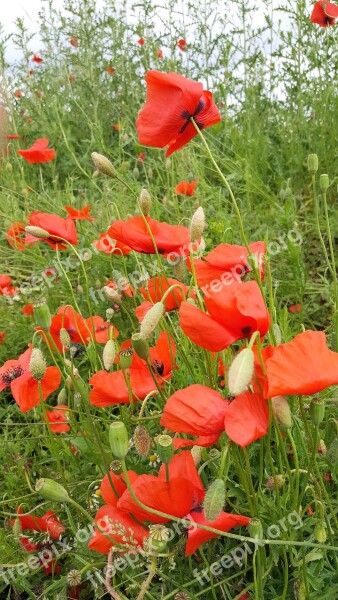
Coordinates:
[37,364]
[150,173]
[151,320]
[281,410]
[64,337]
[109,314]
[136,173]
[62,397]
[322,448]
[109,353]
[214,500]
[165,448]
[79,290]
[277,333]
[17,529]
[179,270]
[197,225]
[42,315]
[38,232]
[103,164]
[126,358]
[112,295]
[51,490]
[118,439]
[324,182]
[241,372]
[271,482]
[255,529]
[196,453]
[142,441]
[320,534]
[9,167]
[317,411]
[140,345]
[312,163]
[145,202]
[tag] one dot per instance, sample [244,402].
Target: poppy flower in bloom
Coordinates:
[178,496]
[37,59]
[186,188]
[107,491]
[324,13]
[172,101]
[159,53]
[74,41]
[111,70]
[17,93]
[116,127]
[224,522]
[119,526]
[140,41]
[108,245]
[158,286]
[6,288]
[295,308]
[15,374]
[234,312]
[38,152]
[15,236]
[12,136]
[28,309]
[79,215]
[56,226]
[141,157]
[111,388]
[182,45]
[58,419]
[2,337]
[134,233]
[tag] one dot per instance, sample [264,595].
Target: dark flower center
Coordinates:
[11,374]
[246,330]
[187,116]
[158,367]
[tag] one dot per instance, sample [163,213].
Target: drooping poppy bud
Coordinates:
[51,490]
[145,202]
[103,164]
[281,410]
[118,439]
[37,231]
[112,295]
[109,353]
[241,372]
[62,397]
[197,225]
[332,453]
[320,534]
[64,337]
[214,500]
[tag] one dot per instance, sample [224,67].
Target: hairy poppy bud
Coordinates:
[324,182]
[145,202]
[17,529]
[271,482]
[109,353]
[109,314]
[103,164]
[255,529]
[281,410]
[197,225]
[312,163]
[140,346]
[126,358]
[142,441]
[158,537]
[112,295]
[241,372]
[151,320]
[214,500]
[37,232]
[42,315]
[165,448]
[179,270]
[277,333]
[196,453]
[64,337]
[51,490]
[322,448]
[332,453]
[37,364]
[62,396]
[320,533]
[136,173]
[317,411]
[118,439]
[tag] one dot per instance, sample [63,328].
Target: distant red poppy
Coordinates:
[56,226]
[74,41]
[108,245]
[111,388]
[58,419]
[159,53]
[28,309]
[186,188]
[116,127]
[224,522]
[182,45]
[134,233]
[6,288]
[141,157]
[111,70]
[17,93]
[79,215]
[2,337]
[37,59]
[234,312]
[38,152]
[15,374]
[12,136]
[156,288]
[295,308]
[324,13]
[119,526]
[140,41]
[172,100]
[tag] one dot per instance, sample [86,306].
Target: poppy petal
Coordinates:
[247,419]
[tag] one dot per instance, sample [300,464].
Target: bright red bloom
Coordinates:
[247,418]
[172,100]
[17,93]
[107,245]
[177,497]
[15,236]
[79,215]
[74,41]
[181,44]
[28,309]
[56,226]
[224,522]
[186,188]
[6,288]
[119,484]
[295,308]
[58,419]
[2,337]
[235,312]
[324,13]
[111,388]
[16,375]
[12,136]
[37,59]
[140,41]
[111,70]
[134,233]
[119,526]
[159,53]
[141,157]
[116,127]
[38,152]
[156,288]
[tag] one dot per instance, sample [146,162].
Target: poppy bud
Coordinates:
[165,448]
[79,290]
[103,164]
[142,440]
[240,372]
[136,173]
[332,453]
[9,167]
[145,202]
[126,358]
[118,439]
[312,163]
[109,353]
[112,295]
[140,346]
[51,490]
[214,500]
[271,482]
[42,315]
[17,529]
[179,270]
[277,333]
[158,537]
[151,320]
[281,410]
[109,314]
[320,533]
[322,448]
[37,232]
[37,364]
[64,337]
[255,529]
[62,397]
[324,182]
[150,173]
[196,453]
[197,225]
[317,411]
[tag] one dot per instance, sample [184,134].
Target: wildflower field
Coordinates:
[169,301]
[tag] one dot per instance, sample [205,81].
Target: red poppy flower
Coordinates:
[6,288]
[159,53]
[182,44]
[119,526]
[116,127]
[55,226]
[108,493]
[186,188]
[38,152]
[74,41]
[15,237]
[134,233]
[324,13]
[111,388]
[17,93]
[123,287]
[28,309]
[79,215]
[140,41]
[141,157]
[247,418]
[177,497]
[111,70]
[58,419]
[2,337]
[158,286]
[37,59]
[303,366]
[235,312]
[224,522]
[107,245]
[16,375]
[172,100]
[12,136]
[295,308]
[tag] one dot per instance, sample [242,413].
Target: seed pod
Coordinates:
[140,346]
[118,439]
[126,358]
[109,353]
[151,320]
[158,537]
[103,164]
[281,410]
[74,577]
[37,364]
[312,163]
[42,315]
[142,441]
[241,372]
[109,314]
[214,500]
[255,529]
[51,490]
[317,411]
[324,182]
[165,448]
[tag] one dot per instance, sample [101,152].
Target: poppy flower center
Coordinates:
[246,330]
[187,116]
[158,367]
[11,374]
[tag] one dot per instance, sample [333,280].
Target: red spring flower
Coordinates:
[56,226]
[140,41]
[172,100]
[224,522]
[182,45]
[159,53]
[12,136]
[108,491]
[235,312]
[303,366]
[15,374]
[6,288]
[111,70]
[116,127]
[135,233]
[118,526]
[186,188]
[176,497]
[17,93]
[74,41]
[38,152]
[2,337]
[79,215]
[295,308]
[28,309]
[15,236]
[107,245]
[111,388]
[324,13]
[58,419]
[158,286]
[141,157]
[37,59]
